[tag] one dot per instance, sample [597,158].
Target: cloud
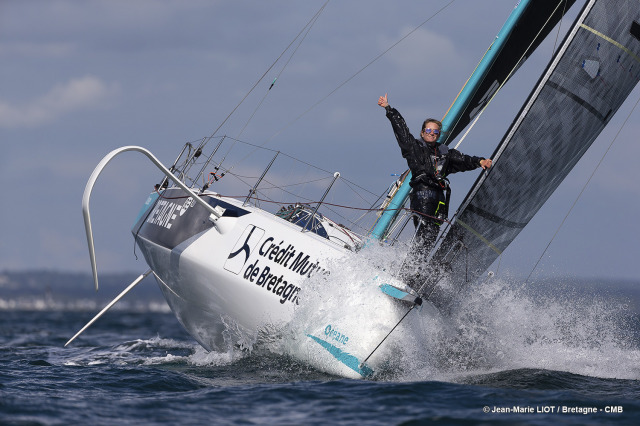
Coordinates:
[417,55]
[76,95]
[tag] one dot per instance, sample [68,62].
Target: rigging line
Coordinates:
[293,158]
[388,334]
[269,149]
[352,222]
[347,183]
[261,190]
[357,72]
[473,124]
[267,199]
[281,187]
[376,202]
[310,25]
[317,168]
[336,213]
[254,145]
[467,82]
[310,201]
[357,186]
[264,74]
[515,67]
[555,43]
[300,161]
[266,149]
[583,189]
[301,188]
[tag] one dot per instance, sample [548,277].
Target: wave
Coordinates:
[500,325]
[155,351]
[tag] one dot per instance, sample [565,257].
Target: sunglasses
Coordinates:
[435,131]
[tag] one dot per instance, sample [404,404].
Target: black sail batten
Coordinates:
[538,19]
[593,72]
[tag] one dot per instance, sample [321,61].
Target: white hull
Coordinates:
[242,274]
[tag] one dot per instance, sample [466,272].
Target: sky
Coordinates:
[81,78]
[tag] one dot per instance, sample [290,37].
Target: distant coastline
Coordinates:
[59,290]
[51,289]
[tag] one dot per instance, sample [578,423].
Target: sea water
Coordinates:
[508,355]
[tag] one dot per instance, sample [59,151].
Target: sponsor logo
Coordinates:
[333,334]
[266,279]
[242,250]
[282,255]
[275,266]
[166,211]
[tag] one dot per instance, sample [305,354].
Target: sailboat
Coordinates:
[231,270]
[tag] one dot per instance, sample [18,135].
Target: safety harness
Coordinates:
[442,210]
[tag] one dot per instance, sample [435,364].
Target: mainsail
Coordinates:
[593,72]
[524,30]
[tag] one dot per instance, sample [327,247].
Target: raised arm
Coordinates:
[400,129]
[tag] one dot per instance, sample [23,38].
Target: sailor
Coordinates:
[430,164]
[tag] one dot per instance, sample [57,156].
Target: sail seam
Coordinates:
[610,40]
[477,234]
[579,101]
[493,218]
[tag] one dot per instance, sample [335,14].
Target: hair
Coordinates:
[431,120]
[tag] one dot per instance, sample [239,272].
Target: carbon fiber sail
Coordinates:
[591,75]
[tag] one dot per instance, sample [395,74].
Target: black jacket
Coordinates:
[429,163]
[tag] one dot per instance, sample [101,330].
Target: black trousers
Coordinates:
[429,205]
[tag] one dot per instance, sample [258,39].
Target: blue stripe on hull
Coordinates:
[344,357]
